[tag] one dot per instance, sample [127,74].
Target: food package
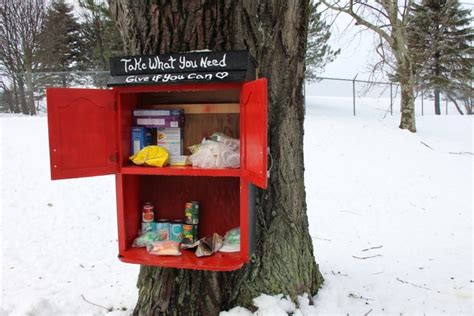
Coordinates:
[155,156]
[231,241]
[209,245]
[219,152]
[145,239]
[165,248]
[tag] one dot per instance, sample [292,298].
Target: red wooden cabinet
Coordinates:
[89,135]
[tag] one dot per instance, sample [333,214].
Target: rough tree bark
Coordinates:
[275,33]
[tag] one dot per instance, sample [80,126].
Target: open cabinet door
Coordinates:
[253,132]
[82,132]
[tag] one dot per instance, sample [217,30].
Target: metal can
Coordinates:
[163,229]
[176,229]
[189,233]
[148,215]
[191,212]
[147,227]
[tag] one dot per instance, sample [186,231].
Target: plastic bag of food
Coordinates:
[231,241]
[231,143]
[153,155]
[145,239]
[214,154]
[165,248]
[209,245]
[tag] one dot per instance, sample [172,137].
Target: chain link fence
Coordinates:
[362,95]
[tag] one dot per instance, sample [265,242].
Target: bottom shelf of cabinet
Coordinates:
[220,261]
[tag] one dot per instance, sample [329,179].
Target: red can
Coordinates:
[148,215]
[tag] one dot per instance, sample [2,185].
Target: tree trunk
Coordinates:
[22,95]
[275,33]
[437,104]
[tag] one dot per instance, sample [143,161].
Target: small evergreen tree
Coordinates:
[318,51]
[61,47]
[440,38]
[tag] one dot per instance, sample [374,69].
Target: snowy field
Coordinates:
[391,220]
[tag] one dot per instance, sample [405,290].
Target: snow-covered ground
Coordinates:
[391,220]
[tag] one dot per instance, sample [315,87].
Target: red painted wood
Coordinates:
[180,171]
[82,132]
[218,262]
[244,220]
[253,131]
[220,210]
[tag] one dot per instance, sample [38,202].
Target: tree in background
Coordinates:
[20,25]
[61,47]
[440,41]
[318,51]
[275,33]
[389,20]
[100,35]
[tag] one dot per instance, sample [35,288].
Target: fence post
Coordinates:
[353,95]
[446,104]
[391,99]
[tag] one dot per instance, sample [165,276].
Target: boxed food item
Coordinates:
[158,112]
[141,137]
[173,148]
[159,121]
[179,161]
[171,139]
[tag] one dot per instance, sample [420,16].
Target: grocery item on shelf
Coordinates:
[191,212]
[231,241]
[145,239]
[221,151]
[148,213]
[190,233]
[165,248]
[163,229]
[155,156]
[158,118]
[176,230]
[171,139]
[209,245]
[140,138]
[179,161]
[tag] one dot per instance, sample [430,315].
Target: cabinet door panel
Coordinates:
[82,132]
[253,132]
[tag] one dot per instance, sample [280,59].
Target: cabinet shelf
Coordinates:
[180,171]
[219,261]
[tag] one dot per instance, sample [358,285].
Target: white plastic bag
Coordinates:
[224,153]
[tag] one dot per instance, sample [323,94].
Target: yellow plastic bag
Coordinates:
[155,156]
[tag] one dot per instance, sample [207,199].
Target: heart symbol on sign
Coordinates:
[222,75]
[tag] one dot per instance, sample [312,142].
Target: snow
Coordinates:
[373,191]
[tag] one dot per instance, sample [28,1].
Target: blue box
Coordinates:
[140,137]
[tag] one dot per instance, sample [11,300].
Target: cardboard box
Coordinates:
[171,139]
[140,137]
[170,134]
[159,121]
[173,148]
[158,112]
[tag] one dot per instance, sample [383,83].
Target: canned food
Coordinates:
[148,215]
[148,227]
[191,212]
[176,229]
[163,229]
[189,233]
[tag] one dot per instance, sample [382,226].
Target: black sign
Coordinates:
[167,78]
[228,66]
